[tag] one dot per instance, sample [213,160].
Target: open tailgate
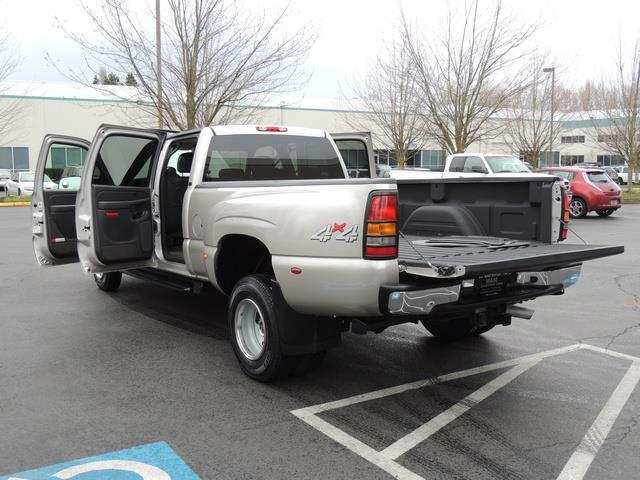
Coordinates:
[465,256]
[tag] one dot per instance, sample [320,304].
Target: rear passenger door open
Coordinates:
[114,220]
[53,206]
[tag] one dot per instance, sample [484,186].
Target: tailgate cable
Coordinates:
[441,270]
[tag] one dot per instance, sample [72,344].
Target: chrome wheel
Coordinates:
[250,329]
[577,208]
[99,276]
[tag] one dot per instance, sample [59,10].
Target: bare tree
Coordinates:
[9,59]
[529,115]
[468,71]
[387,92]
[216,57]
[619,97]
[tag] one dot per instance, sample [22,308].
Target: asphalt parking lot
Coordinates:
[83,373]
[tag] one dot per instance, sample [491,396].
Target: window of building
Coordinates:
[606,160]
[572,139]
[602,138]
[63,157]
[571,159]
[14,158]
[432,159]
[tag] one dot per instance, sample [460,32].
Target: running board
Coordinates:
[168,280]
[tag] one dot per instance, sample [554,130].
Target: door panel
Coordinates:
[60,165]
[123,224]
[356,150]
[114,217]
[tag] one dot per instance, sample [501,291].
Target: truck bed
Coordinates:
[469,256]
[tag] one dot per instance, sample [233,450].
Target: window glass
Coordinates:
[27,176]
[474,165]
[180,149]
[21,158]
[125,161]
[354,154]
[601,177]
[6,158]
[58,168]
[271,157]
[561,174]
[457,164]
[506,164]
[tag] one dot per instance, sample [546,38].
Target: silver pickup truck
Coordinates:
[269,216]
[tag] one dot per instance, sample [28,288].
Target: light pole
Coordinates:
[552,71]
[158,64]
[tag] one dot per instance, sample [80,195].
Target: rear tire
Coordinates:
[605,213]
[108,282]
[254,310]
[578,208]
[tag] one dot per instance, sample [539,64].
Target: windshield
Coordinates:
[27,177]
[506,164]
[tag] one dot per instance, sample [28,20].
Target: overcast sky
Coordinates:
[582,34]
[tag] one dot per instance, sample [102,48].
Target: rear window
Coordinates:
[561,174]
[271,157]
[598,177]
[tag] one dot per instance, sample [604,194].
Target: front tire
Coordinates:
[605,213]
[108,282]
[578,208]
[254,328]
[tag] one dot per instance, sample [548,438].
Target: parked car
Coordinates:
[21,183]
[4,176]
[623,175]
[592,188]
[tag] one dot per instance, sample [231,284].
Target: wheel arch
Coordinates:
[237,256]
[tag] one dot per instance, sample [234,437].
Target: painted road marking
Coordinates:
[155,461]
[581,459]
[419,435]
[576,467]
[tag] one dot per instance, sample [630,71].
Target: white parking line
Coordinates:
[580,461]
[576,467]
[419,435]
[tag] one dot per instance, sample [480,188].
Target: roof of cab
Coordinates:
[253,129]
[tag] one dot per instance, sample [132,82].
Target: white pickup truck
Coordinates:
[459,165]
[269,216]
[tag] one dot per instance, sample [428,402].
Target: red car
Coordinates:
[592,190]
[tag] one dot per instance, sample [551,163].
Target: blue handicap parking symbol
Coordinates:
[155,461]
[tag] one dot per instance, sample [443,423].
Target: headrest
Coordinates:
[184,162]
[231,174]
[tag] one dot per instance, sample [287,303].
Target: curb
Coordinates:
[15,204]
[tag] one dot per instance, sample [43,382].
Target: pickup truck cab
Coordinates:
[469,165]
[269,216]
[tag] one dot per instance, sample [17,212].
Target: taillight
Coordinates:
[271,128]
[564,224]
[381,239]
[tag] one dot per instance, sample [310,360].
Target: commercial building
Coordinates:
[71,109]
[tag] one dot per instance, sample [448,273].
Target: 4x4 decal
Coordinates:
[343,233]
